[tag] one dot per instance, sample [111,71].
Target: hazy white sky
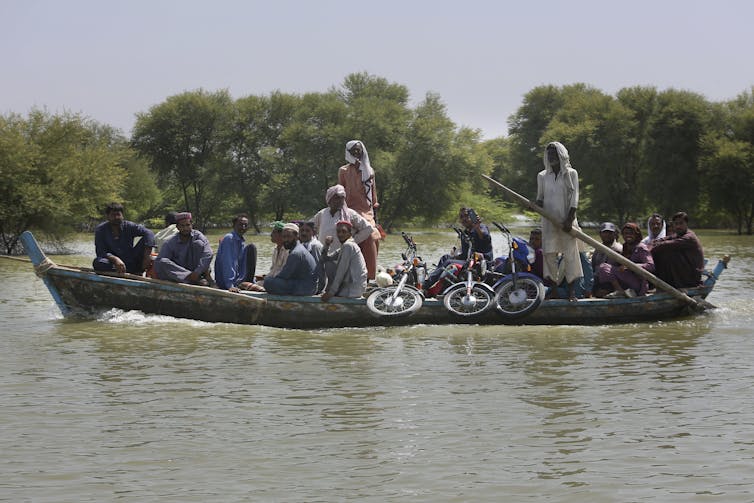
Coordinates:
[111,59]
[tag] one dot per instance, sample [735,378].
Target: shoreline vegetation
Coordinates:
[640,151]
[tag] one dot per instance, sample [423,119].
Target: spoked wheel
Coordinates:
[518,301]
[478,301]
[384,302]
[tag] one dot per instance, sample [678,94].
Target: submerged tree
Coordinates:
[57,170]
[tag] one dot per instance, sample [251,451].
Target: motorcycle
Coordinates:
[406,297]
[518,292]
[469,296]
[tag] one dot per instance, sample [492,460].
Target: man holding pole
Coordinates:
[558,194]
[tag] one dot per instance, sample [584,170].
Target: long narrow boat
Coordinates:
[82,292]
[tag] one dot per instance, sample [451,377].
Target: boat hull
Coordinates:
[84,292]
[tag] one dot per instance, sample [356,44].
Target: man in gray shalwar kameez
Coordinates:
[350,278]
[185,257]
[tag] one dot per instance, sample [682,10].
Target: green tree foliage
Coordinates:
[679,122]
[183,139]
[57,171]
[436,165]
[728,163]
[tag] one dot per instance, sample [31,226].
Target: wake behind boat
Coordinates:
[82,292]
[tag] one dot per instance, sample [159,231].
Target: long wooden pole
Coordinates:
[699,304]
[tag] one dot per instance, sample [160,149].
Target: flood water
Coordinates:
[129,407]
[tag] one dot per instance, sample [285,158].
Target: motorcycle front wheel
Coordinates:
[459,303]
[383,302]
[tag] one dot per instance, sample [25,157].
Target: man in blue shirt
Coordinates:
[299,274]
[236,262]
[185,257]
[115,247]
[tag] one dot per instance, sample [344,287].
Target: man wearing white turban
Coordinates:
[357,177]
[326,219]
[558,194]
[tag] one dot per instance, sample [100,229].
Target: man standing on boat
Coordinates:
[236,261]
[357,177]
[558,195]
[115,247]
[299,274]
[185,257]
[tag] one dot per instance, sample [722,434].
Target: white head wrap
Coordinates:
[338,190]
[365,167]
[651,237]
[565,161]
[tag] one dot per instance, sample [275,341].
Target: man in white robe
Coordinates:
[558,194]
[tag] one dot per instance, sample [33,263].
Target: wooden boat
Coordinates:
[82,292]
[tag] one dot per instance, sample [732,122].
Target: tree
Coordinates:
[727,162]
[435,165]
[671,182]
[57,170]
[183,139]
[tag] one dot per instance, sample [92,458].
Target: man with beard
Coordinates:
[311,243]
[679,257]
[299,274]
[185,257]
[350,278]
[609,236]
[114,244]
[357,178]
[558,194]
[337,210]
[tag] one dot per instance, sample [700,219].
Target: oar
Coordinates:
[697,304]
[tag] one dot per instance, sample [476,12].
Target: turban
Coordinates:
[344,222]
[291,227]
[335,190]
[182,216]
[277,225]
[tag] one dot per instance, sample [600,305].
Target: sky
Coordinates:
[109,60]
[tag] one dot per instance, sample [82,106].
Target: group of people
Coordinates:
[347,259]
[562,261]
[676,258]
[301,264]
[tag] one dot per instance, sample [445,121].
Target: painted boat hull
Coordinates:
[82,292]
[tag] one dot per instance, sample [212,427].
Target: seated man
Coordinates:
[479,237]
[236,261]
[185,257]
[623,281]
[299,274]
[311,243]
[535,245]
[609,237]
[678,257]
[350,278]
[114,244]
